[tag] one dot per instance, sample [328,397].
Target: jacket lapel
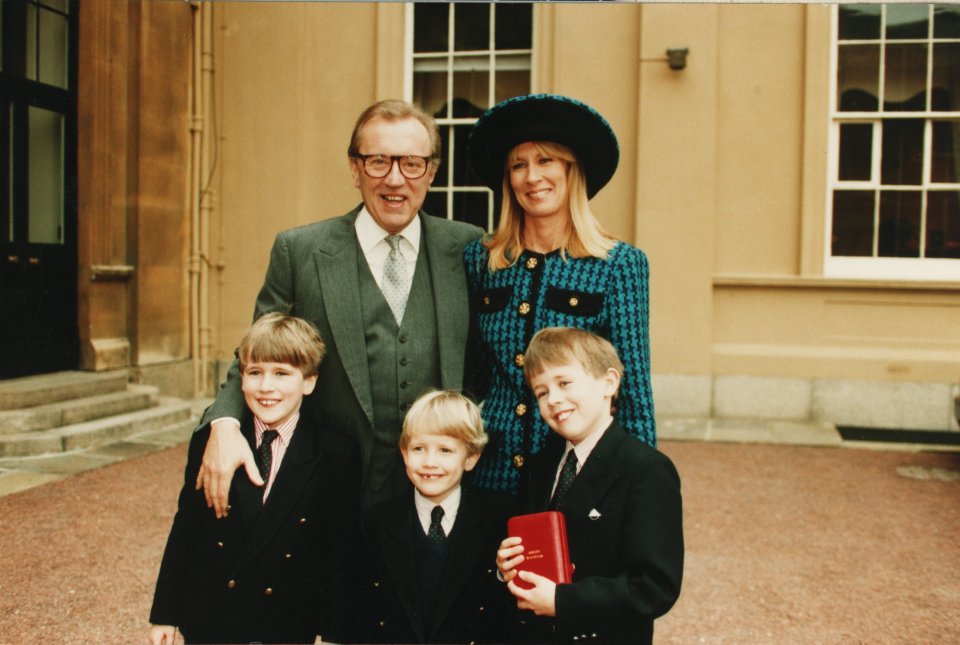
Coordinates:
[247,498]
[399,555]
[445,253]
[596,477]
[336,258]
[299,463]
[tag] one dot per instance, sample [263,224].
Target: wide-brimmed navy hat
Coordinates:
[544,117]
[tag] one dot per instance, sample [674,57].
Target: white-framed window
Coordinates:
[894,141]
[463,58]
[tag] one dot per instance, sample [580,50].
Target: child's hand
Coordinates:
[162,634]
[541,599]
[508,557]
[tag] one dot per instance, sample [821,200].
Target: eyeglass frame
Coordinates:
[394,159]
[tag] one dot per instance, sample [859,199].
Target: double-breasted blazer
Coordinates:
[313,275]
[472,605]
[275,572]
[625,532]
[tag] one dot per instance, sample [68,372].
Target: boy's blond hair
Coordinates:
[447,413]
[281,338]
[555,346]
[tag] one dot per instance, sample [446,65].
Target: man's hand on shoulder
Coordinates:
[226,451]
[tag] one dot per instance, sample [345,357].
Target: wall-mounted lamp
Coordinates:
[677,58]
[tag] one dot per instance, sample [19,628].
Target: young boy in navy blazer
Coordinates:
[276,568]
[431,576]
[620,498]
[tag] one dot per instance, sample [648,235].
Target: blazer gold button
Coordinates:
[376,584]
[231,584]
[518,360]
[521,409]
[287,556]
[518,461]
[220,545]
[574,301]
[268,591]
[524,308]
[229,508]
[531,263]
[303,520]
[381,623]
[486,300]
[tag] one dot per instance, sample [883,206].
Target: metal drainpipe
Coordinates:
[206,199]
[199,200]
[196,133]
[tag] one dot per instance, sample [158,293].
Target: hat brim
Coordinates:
[544,117]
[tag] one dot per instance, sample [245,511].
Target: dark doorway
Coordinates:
[38,169]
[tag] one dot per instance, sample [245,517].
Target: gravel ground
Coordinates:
[784,545]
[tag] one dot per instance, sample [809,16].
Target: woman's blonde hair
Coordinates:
[447,413]
[583,238]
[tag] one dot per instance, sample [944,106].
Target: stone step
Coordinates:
[90,434]
[64,413]
[32,391]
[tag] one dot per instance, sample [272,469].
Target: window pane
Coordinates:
[45,177]
[945,93]
[435,203]
[461,134]
[430,92]
[430,21]
[859,22]
[511,84]
[943,224]
[905,78]
[856,147]
[943,163]
[858,78]
[471,80]
[899,235]
[471,26]
[53,49]
[901,162]
[946,21]
[852,223]
[514,26]
[31,65]
[907,21]
[472,208]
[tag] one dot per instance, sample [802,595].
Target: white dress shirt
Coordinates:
[583,450]
[450,507]
[375,249]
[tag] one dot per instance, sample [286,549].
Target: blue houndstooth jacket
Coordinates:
[609,297]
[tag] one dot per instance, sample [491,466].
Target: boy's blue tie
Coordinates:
[567,474]
[435,533]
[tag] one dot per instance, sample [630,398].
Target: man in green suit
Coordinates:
[385,286]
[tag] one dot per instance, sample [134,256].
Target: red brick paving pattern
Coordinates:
[784,545]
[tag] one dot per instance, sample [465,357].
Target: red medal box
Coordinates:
[545,549]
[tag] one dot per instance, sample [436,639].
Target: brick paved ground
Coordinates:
[785,544]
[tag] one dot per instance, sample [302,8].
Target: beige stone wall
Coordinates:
[134,74]
[722,176]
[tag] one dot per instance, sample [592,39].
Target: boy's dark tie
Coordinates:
[265,453]
[435,533]
[567,474]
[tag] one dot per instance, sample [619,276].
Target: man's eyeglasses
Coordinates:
[378,166]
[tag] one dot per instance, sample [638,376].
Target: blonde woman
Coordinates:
[549,264]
